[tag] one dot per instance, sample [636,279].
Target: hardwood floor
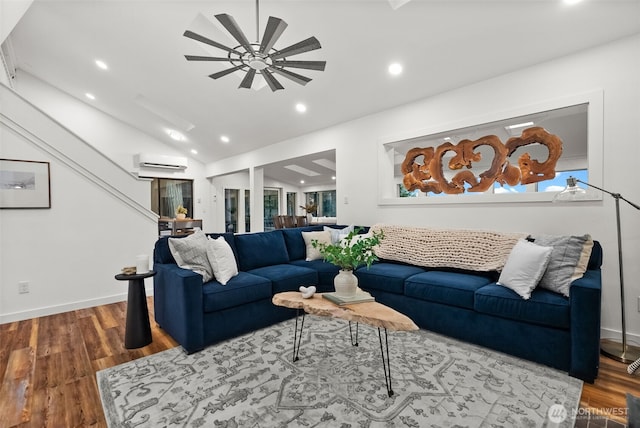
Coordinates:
[48,367]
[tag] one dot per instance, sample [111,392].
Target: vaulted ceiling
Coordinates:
[441,44]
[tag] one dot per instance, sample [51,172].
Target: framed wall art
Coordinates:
[24,184]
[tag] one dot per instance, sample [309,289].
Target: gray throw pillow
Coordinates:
[567,263]
[191,253]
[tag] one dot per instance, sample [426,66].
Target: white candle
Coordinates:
[142,263]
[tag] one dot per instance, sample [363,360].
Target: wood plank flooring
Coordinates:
[48,367]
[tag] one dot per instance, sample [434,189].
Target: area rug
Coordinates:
[251,381]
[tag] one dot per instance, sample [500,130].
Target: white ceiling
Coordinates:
[442,44]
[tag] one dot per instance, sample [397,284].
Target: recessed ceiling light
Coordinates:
[224,139]
[395,69]
[301,108]
[101,64]
[175,135]
[333,178]
[301,181]
[194,151]
[519,125]
[571,2]
[90,96]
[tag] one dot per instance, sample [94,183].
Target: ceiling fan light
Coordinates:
[257,63]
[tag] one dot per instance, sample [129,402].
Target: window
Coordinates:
[168,193]
[440,160]
[291,203]
[231,210]
[271,207]
[325,201]
[247,211]
[553,185]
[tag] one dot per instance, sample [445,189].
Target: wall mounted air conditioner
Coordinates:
[150,160]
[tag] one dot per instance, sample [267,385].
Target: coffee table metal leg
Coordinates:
[351,335]
[297,335]
[384,350]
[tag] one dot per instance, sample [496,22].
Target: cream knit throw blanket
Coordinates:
[462,249]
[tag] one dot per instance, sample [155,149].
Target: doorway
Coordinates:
[271,207]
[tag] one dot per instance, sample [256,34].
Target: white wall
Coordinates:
[115,139]
[241,181]
[614,68]
[10,14]
[69,253]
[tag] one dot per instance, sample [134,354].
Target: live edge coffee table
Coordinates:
[371,313]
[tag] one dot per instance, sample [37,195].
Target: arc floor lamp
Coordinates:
[618,351]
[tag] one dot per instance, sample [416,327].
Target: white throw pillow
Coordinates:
[309,237]
[524,267]
[223,263]
[356,238]
[336,234]
[191,253]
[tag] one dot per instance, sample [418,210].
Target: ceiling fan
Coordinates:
[259,57]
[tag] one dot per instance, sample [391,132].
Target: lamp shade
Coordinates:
[571,193]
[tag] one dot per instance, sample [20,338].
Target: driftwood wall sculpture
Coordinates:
[428,175]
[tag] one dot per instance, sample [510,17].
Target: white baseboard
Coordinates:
[608,333]
[58,309]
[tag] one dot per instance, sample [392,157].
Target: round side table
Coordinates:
[138,330]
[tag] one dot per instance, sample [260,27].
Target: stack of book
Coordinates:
[359,297]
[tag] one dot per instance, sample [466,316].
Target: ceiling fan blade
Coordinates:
[225,72]
[204,58]
[199,38]
[302,80]
[271,81]
[248,79]
[307,45]
[272,32]
[309,65]
[232,27]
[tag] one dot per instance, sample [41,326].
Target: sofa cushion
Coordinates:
[261,249]
[295,243]
[544,307]
[326,273]
[287,277]
[241,289]
[162,253]
[387,277]
[595,260]
[449,288]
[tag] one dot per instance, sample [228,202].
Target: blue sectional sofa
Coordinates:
[548,328]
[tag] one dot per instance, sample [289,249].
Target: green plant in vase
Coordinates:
[351,252]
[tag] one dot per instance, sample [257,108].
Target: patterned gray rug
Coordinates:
[251,381]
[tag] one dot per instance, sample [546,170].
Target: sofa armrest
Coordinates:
[585,295]
[178,304]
